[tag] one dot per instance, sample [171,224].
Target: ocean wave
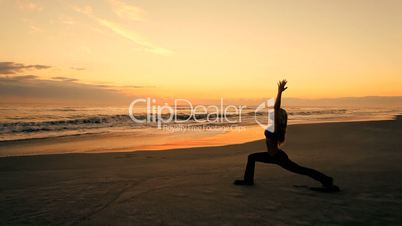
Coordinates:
[125,120]
[120,120]
[318,112]
[67,124]
[45,123]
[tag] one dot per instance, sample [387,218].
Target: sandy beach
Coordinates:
[194,186]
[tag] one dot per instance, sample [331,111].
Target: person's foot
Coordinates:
[242,182]
[329,185]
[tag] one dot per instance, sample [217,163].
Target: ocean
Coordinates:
[18,122]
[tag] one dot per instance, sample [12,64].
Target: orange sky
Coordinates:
[208,49]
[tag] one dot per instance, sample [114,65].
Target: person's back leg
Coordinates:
[249,173]
[288,164]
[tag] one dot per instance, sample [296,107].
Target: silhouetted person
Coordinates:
[276,155]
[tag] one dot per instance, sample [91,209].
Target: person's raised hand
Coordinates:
[282,85]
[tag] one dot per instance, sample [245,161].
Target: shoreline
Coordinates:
[247,126]
[209,139]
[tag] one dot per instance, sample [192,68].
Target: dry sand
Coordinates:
[194,186]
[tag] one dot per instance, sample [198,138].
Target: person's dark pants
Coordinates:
[281,158]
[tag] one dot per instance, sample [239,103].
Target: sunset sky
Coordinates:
[201,49]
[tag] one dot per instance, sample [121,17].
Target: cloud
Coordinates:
[127,11]
[13,68]
[87,10]
[78,68]
[24,77]
[27,5]
[17,78]
[33,28]
[134,37]
[65,79]
[125,33]
[138,87]
[67,20]
[30,88]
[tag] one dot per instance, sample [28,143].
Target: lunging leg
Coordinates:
[249,173]
[287,164]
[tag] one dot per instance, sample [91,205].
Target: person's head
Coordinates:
[283,123]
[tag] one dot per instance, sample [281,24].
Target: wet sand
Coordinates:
[194,186]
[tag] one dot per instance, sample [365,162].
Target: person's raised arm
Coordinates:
[281,87]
